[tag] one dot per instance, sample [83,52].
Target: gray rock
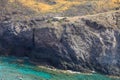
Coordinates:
[90,44]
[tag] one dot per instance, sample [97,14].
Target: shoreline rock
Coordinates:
[90,43]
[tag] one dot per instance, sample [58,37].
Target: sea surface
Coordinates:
[11,68]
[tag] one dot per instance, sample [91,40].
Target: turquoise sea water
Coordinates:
[10,69]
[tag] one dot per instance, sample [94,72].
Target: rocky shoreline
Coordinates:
[83,44]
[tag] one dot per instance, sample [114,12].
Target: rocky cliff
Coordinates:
[81,43]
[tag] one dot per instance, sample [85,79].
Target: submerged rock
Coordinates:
[87,43]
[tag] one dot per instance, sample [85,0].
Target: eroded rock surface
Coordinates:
[84,43]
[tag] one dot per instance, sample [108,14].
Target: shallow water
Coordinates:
[10,69]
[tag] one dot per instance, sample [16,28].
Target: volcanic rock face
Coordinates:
[84,43]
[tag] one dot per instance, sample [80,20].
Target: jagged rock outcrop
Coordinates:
[83,43]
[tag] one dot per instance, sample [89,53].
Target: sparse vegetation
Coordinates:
[62,5]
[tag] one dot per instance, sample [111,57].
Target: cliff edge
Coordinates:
[80,43]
